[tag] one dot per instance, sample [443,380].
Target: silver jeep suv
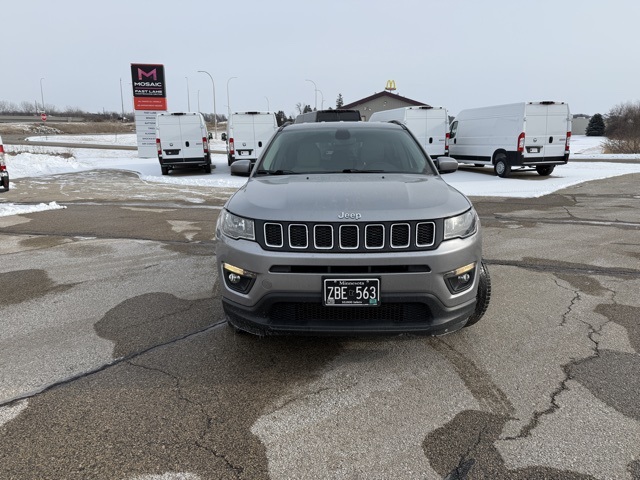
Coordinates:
[348,227]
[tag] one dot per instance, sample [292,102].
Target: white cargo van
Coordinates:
[182,140]
[430,125]
[527,135]
[248,133]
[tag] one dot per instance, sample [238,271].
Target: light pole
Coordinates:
[122,100]
[42,94]
[215,115]
[321,101]
[268,109]
[228,102]
[315,93]
[188,96]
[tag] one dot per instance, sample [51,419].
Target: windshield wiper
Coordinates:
[276,172]
[357,170]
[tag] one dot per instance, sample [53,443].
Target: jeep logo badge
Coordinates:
[349,216]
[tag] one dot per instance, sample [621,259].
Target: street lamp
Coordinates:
[188,96]
[42,94]
[321,101]
[315,93]
[268,109]
[122,99]
[215,115]
[228,102]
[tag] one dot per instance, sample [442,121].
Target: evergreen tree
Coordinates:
[339,101]
[281,118]
[595,128]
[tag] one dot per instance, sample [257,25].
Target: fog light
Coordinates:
[238,279]
[461,278]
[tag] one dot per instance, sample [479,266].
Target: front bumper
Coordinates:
[286,292]
[296,313]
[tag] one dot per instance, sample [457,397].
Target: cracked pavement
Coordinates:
[116,362]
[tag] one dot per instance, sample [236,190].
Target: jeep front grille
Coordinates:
[348,237]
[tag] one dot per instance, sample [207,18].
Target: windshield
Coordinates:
[344,150]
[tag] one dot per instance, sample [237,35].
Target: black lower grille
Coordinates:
[299,313]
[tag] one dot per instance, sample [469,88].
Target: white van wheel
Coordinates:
[502,168]
[545,170]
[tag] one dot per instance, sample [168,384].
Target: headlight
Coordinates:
[461,226]
[235,227]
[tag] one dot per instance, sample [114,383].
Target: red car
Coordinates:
[4,174]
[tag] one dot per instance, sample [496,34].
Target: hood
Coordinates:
[323,197]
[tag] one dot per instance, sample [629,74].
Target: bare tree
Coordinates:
[623,128]
[303,108]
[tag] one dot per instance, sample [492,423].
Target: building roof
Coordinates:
[385,94]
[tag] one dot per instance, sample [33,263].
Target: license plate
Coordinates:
[534,150]
[351,292]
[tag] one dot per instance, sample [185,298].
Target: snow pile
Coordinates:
[126,139]
[7,209]
[581,144]
[38,165]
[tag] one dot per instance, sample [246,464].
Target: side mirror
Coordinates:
[446,164]
[241,168]
[223,136]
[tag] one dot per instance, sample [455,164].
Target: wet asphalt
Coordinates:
[116,361]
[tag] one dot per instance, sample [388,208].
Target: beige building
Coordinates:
[381,101]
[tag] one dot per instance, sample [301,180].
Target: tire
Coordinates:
[483,296]
[545,170]
[230,159]
[5,183]
[207,168]
[165,170]
[502,167]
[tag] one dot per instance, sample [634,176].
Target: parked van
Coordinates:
[4,174]
[182,140]
[248,133]
[329,116]
[430,125]
[527,135]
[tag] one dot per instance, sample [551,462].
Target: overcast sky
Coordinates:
[452,53]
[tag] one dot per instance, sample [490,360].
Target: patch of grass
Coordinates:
[629,146]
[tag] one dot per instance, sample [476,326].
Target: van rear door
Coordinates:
[252,131]
[264,127]
[546,127]
[192,134]
[244,140]
[170,136]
